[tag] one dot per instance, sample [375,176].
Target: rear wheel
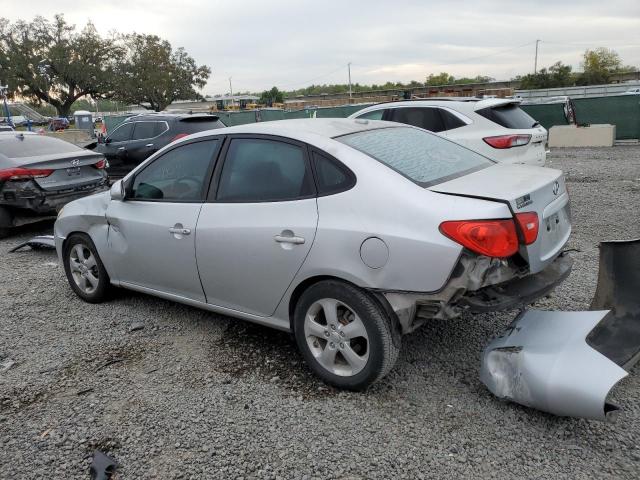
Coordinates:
[344,335]
[85,272]
[6,222]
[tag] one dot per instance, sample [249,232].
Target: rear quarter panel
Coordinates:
[405,216]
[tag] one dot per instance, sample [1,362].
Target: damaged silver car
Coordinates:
[39,174]
[348,233]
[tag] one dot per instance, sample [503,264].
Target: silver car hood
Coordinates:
[543,361]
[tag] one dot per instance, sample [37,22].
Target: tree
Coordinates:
[153,75]
[598,65]
[269,97]
[558,75]
[51,63]
[441,79]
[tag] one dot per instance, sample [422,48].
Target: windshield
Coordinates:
[422,157]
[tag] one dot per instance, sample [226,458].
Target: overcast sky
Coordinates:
[292,44]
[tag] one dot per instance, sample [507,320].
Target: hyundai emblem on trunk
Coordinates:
[556,187]
[75,162]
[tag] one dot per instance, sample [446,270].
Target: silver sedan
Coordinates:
[348,233]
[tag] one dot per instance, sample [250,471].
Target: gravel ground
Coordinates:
[197,395]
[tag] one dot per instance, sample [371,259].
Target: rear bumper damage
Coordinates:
[479,284]
[27,197]
[543,361]
[566,363]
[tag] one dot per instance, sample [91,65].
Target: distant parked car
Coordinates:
[40,174]
[496,128]
[345,233]
[140,136]
[58,123]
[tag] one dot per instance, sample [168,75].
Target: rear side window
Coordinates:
[122,133]
[331,175]
[257,170]
[177,176]
[422,157]
[450,120]
[509,116]
[375,115]
[144,130]
[29,145]
[427,118]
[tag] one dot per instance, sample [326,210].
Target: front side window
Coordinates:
[427,118]
[122,133]
[257,170]
[177,176]
[374,115]
[422,157]
[144,130]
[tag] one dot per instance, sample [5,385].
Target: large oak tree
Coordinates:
[153,75]
[52,62]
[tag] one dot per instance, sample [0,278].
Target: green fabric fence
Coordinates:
[623,111]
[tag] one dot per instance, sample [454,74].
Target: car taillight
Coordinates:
[529,225]
[24,173]
[493,238]
[100,164]
[178,136]
[507,141]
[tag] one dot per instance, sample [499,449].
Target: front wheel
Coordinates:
[85,272]
[344,335]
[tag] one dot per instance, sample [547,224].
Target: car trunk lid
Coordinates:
[70,170]
[525,189]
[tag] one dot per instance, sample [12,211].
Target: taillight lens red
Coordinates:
[493,238]
[24,173]
[180,135]
[529,226]
[507,141]
[100,164]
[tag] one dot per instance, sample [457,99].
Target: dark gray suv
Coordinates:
[140,136]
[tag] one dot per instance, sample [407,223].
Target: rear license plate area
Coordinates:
[73,171]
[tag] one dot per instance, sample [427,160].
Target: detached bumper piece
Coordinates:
[543,361]
[566,363]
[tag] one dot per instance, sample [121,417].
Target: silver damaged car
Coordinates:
[347,233]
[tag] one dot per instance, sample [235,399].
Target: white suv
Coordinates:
[496,128]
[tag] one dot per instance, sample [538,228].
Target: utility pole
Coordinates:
[231,91]
[535,63]
[349,68]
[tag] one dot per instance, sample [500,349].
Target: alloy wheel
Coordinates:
[337,337]
[84,268]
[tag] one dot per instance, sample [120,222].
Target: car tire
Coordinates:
[351,348]
[85,272]
[6,222]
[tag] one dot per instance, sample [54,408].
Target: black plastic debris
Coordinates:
[617,337]
[102,466]
[36,243]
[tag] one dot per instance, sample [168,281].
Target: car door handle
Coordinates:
[180,231]
[149,145]
[120,149]
[286,239]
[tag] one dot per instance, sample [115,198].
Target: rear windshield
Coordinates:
[199,124]
[422,157]
[19,146]
[509,116]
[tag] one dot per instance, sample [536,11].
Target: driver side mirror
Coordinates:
[107,140]
[117,191]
